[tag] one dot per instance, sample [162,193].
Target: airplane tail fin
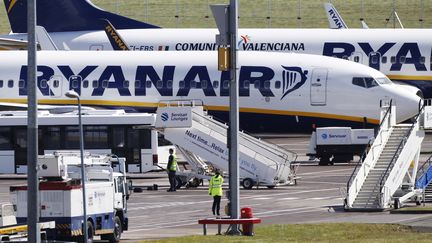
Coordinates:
[67,15]
[114,37]
[334,18]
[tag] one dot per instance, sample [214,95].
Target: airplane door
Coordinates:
[374,60]
[319,86]
[55,85]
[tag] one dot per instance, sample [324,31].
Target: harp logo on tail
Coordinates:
[292,78]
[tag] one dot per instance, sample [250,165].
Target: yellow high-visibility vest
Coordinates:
[173,166]
[215,186]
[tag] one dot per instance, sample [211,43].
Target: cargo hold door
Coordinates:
[318,88]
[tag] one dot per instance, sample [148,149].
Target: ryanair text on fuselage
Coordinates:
[113,77]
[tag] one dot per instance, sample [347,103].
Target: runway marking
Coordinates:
[289,198]
[413,218]
[262,198]
[186,212]
[325,198]
[322,182]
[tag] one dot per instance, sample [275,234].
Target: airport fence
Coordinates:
[276,13]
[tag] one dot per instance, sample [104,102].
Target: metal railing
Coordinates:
[365,152]
[401,146]
[422,170]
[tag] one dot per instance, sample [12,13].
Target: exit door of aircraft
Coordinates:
[319,86]
[55,85]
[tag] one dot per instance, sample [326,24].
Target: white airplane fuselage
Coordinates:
[404,55]
[279,92]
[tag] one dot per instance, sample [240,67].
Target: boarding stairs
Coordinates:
[260,162]
[386,176]
[424,179]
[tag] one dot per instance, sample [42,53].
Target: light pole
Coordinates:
[74,95]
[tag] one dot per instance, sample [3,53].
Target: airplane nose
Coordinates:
[408,103]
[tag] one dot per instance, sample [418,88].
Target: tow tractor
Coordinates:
[60,194]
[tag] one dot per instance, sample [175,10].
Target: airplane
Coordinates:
[279,92]
[404,55]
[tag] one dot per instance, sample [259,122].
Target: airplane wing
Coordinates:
[44,42]
[334,18]
[6,106]
[7,44]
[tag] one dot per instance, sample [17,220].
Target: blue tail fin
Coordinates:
[67,15]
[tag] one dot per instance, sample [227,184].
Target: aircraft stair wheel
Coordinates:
[247,183]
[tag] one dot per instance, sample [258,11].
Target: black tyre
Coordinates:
[271,187]
[248,183]
[116,235]
[90,234]
[195,182]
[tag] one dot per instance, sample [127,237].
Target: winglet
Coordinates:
[334,18]
[114,37]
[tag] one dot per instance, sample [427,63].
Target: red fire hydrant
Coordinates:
[246,213]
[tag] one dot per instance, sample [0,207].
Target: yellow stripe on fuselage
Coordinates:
[405,77]
[211,108]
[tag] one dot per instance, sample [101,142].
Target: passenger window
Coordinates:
[169,84]
[246,84]
[95,84]
[85,84]
[267,84]
[1,83]
[215,84]
[356,59]
[159,84]
[193,84]
[137,84]
[21,84]
[393,59]
[148,84]
[56,83]
[10,83]
[384,59]
[257,84]
[204,84]
[422,60]
[126,84]
[105,84]
[226,84]
[277,84]
[181,84]
[402,59]
[374,59]
[345,57]
[75,83]
[359,82]
[44,84]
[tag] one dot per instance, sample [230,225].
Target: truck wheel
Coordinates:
[248,183]
[90,234]
[115,236]
[271,187]
[325,160]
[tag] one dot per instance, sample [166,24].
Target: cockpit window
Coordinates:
[383,80]
[364,82]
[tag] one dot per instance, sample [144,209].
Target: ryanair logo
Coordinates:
[292,79]
[11,5]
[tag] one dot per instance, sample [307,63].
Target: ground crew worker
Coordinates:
[172,168]
[215,190]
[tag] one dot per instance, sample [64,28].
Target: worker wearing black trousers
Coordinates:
[172,168]
[215,190]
